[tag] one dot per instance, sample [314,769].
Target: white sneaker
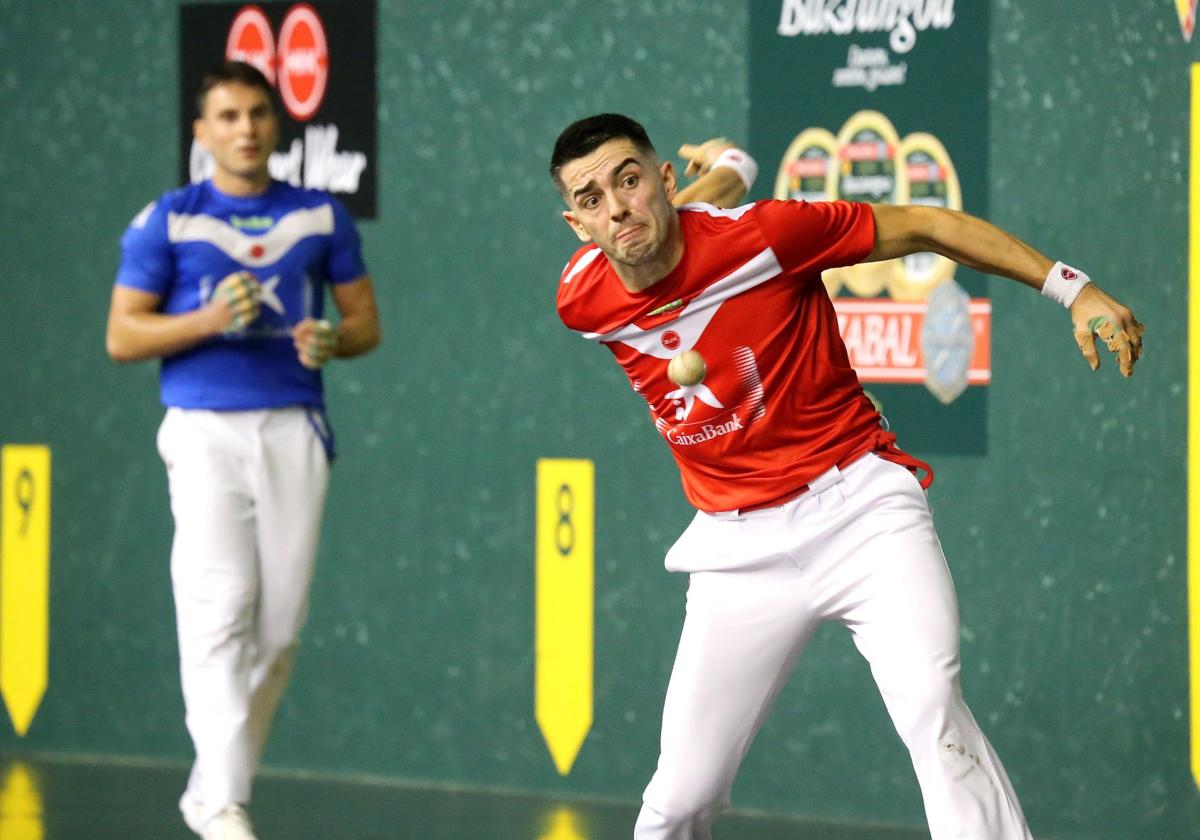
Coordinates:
[193,812]
[230,824]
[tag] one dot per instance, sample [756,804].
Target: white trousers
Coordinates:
[247,493]
[859,549]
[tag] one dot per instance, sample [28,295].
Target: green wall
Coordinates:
[1066,540]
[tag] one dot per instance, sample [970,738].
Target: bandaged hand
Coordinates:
[1093,314]
[237,298]
[316,342]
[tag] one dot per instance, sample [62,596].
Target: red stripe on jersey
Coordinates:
[780,403]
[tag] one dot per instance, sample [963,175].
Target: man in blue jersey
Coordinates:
[225,282]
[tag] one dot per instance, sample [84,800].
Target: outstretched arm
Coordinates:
[724,173]
[902,229]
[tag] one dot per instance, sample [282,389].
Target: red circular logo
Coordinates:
[250,41]
[670,339]
[256,251]
[303,62]
[1068,274]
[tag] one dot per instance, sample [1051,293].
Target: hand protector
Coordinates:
[316,342]
[241,296]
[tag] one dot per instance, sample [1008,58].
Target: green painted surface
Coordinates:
[417,661]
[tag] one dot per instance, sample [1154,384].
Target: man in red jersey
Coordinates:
[807,510]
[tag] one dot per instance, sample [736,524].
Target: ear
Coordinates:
[574,224]
[198,131]
[669,182]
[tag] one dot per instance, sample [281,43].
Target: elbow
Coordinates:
[118,350]
[373,338]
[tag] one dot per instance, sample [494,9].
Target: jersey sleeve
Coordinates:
[147,262]
[344,261]
[814,236]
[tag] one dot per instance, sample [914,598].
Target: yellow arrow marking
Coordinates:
[24,580]
[565,568]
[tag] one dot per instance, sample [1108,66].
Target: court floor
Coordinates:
[53,798]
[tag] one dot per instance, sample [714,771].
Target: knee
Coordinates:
[277,655]
[929,702]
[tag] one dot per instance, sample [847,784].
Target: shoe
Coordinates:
[230,824]
[193,812]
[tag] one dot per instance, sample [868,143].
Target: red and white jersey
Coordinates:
[780,403]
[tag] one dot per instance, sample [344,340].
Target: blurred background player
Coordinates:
[807,510]
[225,282]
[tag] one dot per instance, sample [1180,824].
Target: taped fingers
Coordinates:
[319,345]
[1126,344]
[241,295]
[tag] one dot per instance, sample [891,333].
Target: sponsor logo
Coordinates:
[887,342]
[901,20]
[1068,274]
[251,222]
[670,340]
[749,404]
[251,42]
[1186,11]
[303,62]
[706,432]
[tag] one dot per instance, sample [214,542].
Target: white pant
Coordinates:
[247,493]
[860,550]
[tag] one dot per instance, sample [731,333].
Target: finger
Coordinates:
[689,151]
[1125,359]
[1087,346]
[1135,338]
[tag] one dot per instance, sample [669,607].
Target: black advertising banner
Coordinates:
[887,101]
[320,56]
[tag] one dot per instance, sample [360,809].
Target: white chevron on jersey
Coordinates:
[720,212]
[290,229]
[696,315]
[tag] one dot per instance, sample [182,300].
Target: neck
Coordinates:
[638,278]
[243,186]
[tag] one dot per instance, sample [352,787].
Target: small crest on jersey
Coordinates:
[947,341]
[666,307]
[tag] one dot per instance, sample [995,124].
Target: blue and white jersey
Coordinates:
[293,240]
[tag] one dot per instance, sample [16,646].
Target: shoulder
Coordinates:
[578,285]
[288,198]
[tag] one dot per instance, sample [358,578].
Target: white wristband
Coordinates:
[741,163]
[1064,284]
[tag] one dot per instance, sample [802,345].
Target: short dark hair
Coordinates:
[232,71]
[583,137]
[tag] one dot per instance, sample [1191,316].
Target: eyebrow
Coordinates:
[591,185]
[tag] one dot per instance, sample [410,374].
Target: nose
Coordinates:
[618,209]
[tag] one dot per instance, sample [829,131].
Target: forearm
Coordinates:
[721,187]
[358,333]
[135,336]
[967,240]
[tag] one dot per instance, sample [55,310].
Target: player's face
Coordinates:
[239,127]
[620,198]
